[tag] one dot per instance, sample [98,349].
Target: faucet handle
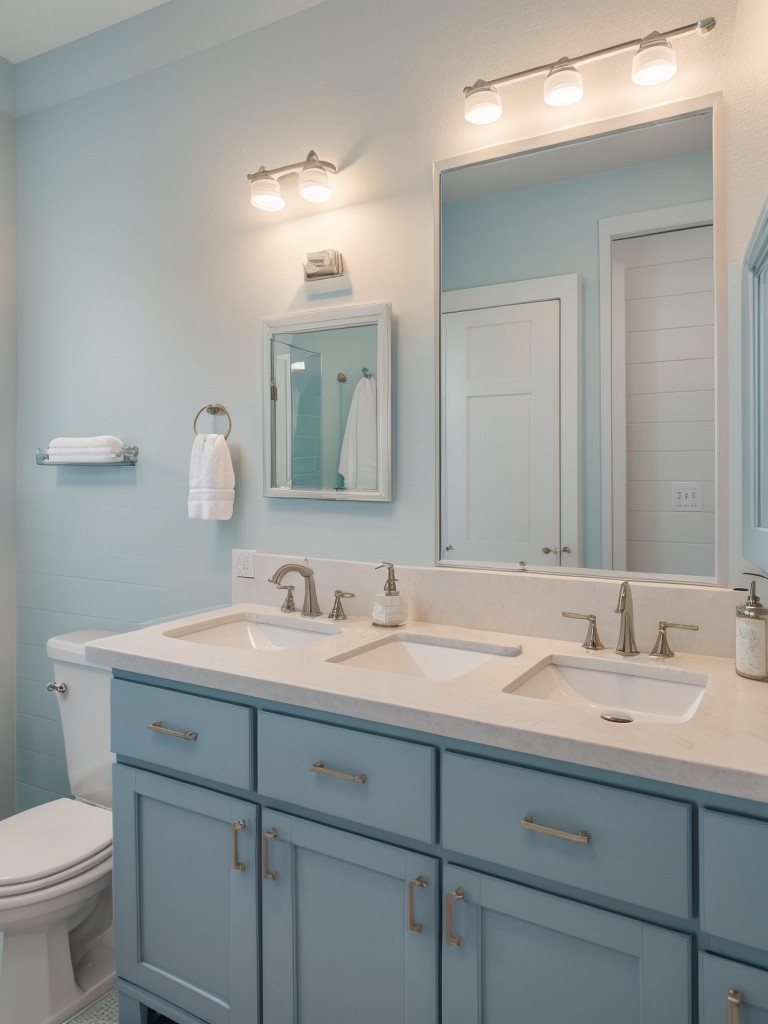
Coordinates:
[337,612]
[661,648]
[289,604]
[592,641]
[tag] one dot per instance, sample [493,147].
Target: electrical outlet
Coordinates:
[244,564]
[687,496]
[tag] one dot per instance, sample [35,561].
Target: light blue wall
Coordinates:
[7,456]
[551,229]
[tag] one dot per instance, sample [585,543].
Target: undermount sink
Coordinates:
[254,631]
[426,657]
[617,691]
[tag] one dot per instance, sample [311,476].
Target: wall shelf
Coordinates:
[129,457]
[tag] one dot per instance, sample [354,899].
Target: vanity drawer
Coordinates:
[734,879]
[388,784]
[219,746]
[624,845]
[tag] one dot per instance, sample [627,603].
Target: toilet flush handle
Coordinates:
[58,687]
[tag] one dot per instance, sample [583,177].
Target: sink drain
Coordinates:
[622,719]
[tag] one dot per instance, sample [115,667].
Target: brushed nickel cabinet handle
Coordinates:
[450,899]
[158,727]
[417,883]
[320,768]
[271,833]
[236,827]
[572,837]
[734,1006]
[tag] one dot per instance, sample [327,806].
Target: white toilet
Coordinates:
[56,944]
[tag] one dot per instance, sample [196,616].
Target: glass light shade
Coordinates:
[563,86]
[313,184]
[655,62]
[266,195]
[482,104]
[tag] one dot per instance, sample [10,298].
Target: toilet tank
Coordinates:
[84,709]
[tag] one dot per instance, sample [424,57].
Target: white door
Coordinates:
[501,416]
[664,403]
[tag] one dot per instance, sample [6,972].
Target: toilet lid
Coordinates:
[52,839]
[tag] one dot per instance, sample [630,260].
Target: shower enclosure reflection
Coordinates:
[328,404]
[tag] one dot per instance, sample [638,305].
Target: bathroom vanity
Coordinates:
[300,838]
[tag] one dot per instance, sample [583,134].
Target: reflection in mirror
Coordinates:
[755,395]
[577,355]
[328,402]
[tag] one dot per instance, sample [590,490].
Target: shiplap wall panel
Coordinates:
[670,382]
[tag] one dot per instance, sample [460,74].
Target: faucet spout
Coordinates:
[310,608]
[626,645]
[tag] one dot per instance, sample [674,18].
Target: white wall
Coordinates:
[143,273]
[7,461]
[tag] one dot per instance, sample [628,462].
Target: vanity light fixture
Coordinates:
[313,182]
[654,62]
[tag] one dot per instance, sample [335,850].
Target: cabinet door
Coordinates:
[731,992]
[187,916]
[350,929]
[513,953]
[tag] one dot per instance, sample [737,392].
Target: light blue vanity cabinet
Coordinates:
[278,865]
[186,913]
[350,927]
[554,959]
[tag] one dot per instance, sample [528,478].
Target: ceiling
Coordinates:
[31,27]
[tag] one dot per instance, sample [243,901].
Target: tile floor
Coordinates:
[103,1011]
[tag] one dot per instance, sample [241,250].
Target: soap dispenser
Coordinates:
[751,645]
[390,608]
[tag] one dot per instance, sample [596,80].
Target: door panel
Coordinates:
[337,948]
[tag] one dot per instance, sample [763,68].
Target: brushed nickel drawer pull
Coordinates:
[320,768]
[734,1006]
[271,833]
[572,837]
[158,727]
[237,865]
[417,883]
[450,899]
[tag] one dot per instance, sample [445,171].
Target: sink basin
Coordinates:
[618,692]
[426,657]
[254,631]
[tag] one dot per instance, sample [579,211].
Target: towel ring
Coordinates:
[216,409]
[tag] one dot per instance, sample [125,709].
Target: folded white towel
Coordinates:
[100,441]
[55,456]
[56,450]
[211,479]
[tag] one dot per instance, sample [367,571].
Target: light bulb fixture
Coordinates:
[654,62]
[563,85]
[313,182]
[482,103]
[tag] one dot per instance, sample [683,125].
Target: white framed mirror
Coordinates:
[755,395]
[327,404]
[580,298]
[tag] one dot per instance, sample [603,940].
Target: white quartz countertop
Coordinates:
[722,748]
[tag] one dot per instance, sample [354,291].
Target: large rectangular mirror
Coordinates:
[578,358]
[327,404]
[755,395]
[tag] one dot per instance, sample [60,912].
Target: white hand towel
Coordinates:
[101,441]
[358,462]
[211,479]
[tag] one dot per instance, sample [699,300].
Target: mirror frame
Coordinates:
[376,313]
[576,133]
[753,368]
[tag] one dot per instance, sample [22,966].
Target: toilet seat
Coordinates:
[47,845]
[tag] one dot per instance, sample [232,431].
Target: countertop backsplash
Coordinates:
[526,603]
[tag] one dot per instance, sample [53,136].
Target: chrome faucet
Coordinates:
[310,607]
[626,643]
